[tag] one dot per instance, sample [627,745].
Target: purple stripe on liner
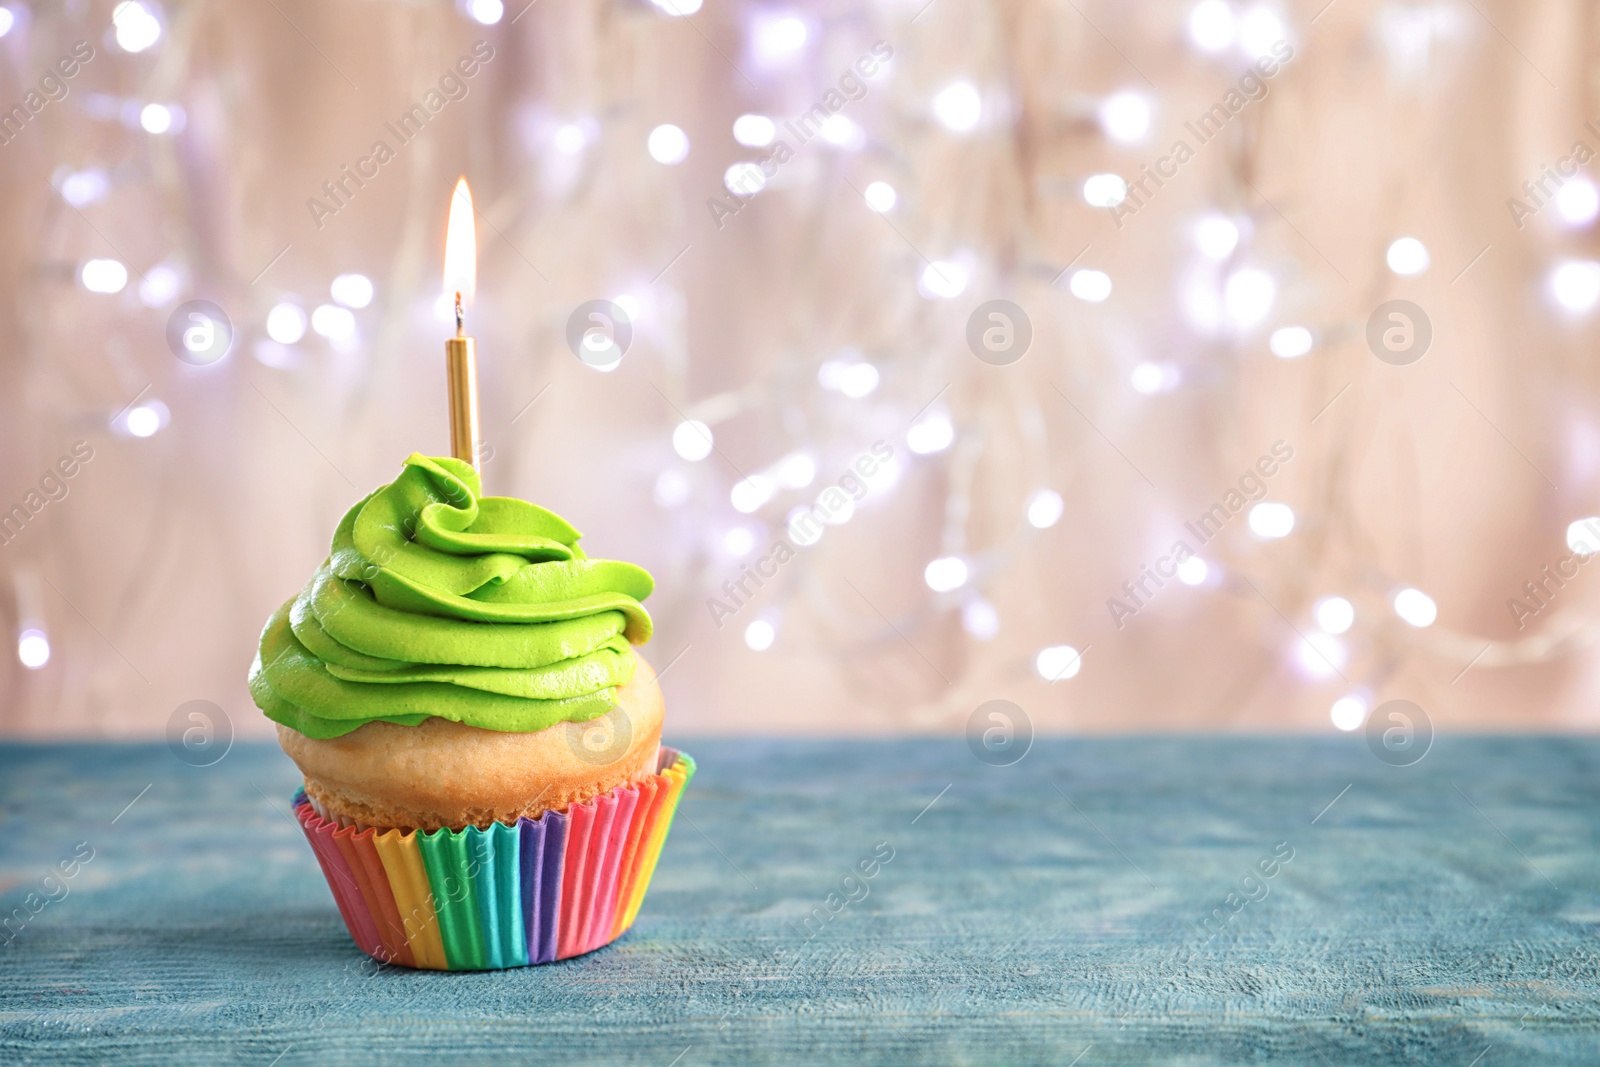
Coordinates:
[532,864]
[547,888]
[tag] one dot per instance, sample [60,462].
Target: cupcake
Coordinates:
[484,779]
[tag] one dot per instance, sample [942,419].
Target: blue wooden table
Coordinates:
[1185,900]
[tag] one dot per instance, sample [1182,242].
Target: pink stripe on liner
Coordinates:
[604,911]
[574,866]
[605,816]
[346,890]
[352,862]
[374,882]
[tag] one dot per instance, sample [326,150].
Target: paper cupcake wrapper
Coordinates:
[538,890]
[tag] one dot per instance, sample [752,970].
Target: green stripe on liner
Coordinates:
[444,854]
[508,882]
[496,883]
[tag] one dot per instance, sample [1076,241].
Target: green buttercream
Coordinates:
[438,601]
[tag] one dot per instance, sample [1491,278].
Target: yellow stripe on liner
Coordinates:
[677,774]
[408,880]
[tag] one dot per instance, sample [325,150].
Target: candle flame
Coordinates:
[461,246]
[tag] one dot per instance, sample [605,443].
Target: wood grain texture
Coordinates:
[1033,914]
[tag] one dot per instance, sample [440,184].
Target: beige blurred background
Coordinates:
[808,325]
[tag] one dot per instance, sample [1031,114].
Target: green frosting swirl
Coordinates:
[438,601]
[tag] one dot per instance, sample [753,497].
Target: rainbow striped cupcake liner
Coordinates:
[540,890]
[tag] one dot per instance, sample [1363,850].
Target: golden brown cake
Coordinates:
[448,774]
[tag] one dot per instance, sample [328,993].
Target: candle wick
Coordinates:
[460,322]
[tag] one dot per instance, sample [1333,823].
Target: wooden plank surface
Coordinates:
[1075,905]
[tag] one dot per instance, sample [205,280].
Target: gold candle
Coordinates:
[460,351]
